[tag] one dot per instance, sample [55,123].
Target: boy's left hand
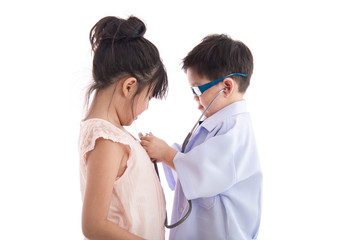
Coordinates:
[154,146]
[158,149]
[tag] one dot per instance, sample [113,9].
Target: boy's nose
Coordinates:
[196,98]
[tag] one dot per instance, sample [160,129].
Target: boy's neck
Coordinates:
[235,97]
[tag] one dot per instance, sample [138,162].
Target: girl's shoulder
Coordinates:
[101,126]
[95,128]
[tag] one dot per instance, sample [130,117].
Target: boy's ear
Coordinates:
[129,86]
[229,85]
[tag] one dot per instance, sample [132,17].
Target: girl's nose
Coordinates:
[196,98]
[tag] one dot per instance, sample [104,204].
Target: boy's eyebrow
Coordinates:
[197,83]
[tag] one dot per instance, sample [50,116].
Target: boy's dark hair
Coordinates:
[120,51]
[219,55]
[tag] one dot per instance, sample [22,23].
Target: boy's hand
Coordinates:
[158,149]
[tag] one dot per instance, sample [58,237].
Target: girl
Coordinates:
[122,196]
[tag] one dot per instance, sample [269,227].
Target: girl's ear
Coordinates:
[129,86]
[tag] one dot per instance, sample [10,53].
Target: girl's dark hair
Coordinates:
[121,51]
[219,55]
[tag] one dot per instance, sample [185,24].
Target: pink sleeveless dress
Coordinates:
[137,202]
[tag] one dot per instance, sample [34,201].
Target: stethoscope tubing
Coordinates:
[186,141]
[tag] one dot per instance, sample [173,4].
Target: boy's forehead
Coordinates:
[195,79]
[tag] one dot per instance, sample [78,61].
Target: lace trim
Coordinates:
[93,129]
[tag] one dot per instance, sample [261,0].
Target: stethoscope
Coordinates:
[186,141]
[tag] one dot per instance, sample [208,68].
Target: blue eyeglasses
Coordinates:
[201,89]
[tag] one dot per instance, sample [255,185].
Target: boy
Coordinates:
[219,169]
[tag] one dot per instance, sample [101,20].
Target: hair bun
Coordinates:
[116,29]
[133,28]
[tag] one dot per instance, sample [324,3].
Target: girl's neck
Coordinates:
[102,107]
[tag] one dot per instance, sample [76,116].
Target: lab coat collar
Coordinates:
[233,109]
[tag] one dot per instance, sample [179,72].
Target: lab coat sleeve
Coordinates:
[214,166]
[171,176]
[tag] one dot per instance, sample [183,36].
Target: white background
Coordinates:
[304,100]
